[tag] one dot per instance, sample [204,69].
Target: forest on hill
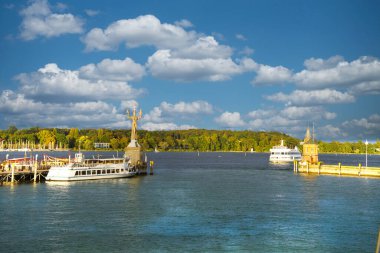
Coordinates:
[174,140]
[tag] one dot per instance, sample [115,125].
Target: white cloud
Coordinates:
[163,65]
[194,107]
[372,87]
[53,83]
[165,126]
[184,23]
[230,119]
[203,48]
[115,70]
[335,72]
[240,37]
[320,64]
[272,75]
[38,20]
[143,30]
[91,13]
[291,120]
[24,112]
[314,97]
[331,132]
[247,51]
[310,113]
[128,104]
[182,109]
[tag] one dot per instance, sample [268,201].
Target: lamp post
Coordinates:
[366,145]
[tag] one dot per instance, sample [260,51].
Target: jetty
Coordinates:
[310,163]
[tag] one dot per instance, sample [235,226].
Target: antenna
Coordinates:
[313,132]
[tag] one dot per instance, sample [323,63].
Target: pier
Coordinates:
[24,175]
[310,163]
[339,169]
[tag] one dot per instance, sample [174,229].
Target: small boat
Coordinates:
[282,153]
[82,169]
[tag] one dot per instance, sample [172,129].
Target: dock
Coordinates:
[14,175]
[339,169]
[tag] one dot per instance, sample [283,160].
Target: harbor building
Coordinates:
[310,149]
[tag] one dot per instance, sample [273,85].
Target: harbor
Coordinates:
[29,169]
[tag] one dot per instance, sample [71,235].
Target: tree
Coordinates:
[46,138]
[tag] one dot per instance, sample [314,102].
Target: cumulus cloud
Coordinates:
[182,109]
[54,83]
[313,64]
[230,119]
[115,70]
[181,55]
[38,20]
[314,97]
[184,23]
[272,75]
[247,51]
[204,48]
[353,129]
[335,72]
[308,112]
[360,76]
[25,112]
[240,37]
[143,30]
[165,126]
[91,13]
[163,65]
[290,120]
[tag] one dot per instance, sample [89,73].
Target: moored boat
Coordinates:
[282,153]
[81,169]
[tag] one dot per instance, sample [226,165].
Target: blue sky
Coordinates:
[259,65]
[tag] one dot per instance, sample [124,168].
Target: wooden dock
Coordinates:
[23,176]
[340,170]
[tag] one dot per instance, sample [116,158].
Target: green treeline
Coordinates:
[175,140]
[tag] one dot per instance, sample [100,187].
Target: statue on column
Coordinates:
[134,119]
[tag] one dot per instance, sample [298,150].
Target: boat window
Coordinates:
[117,170]
[108,171]
[93,172]
[98,172]
[76,173]
[122,170]
[113,171]
[103,171]
[89,172]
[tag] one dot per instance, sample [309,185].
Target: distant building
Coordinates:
[101,145]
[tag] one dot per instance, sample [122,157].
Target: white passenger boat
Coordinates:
[282,153]
[81,169]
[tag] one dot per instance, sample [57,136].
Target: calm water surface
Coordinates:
[214,202]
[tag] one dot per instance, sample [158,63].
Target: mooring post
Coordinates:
[307,167]
[360,168]
[35,169]
[319,168]
[340,168]
[13,173]
[151,164]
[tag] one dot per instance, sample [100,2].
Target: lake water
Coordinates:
[214,202]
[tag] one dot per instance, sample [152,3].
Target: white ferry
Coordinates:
[90,169]
[284,154]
